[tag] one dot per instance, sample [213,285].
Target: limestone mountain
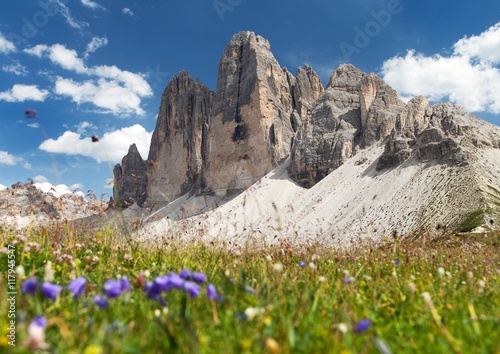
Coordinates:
[223,142]
[352,155]
[130,179]
[177,156]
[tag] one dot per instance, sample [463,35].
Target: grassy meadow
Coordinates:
[424,296]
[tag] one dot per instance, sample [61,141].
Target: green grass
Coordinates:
[301,308]
[472,221]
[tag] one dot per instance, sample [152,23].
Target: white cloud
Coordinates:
[39,50]
[76,186]
[16,69]
[21,93]
[35,125]
[66,58]
[7,159]
[108,95]
[92,5]
[2,187]
[94,44]
[72,22]
[109,88]
[127,11]
[486,46]
[470,77]
[111,147]
[6,46]
[11,160]
[40,179]
[59,190]
[83,126]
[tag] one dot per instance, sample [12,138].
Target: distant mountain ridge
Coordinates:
[27,205]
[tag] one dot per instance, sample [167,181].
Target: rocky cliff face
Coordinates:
[206,142]
[356,111]
[359,110]
[179,142]
[257,107]
[130,179]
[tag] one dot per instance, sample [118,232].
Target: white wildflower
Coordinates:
[342,327]
[278,267]
[441,271]
[20,271]
[49,272]
[427,297]
[412,286]
[252,312]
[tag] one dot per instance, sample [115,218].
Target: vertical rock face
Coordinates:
[355,111]
[250,130]
[208,142]
[131,179]
[308,89]
[178,145]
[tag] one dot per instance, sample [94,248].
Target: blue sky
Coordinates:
[98,67]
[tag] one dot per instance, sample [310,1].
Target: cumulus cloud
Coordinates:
[2,187]
[111,147]
[7,159]
[127,11]
[94,44]
[21,93]
[11,160]
[6,46]
[57,191]
[470,77]
[16,68]
[484,47]
[66,58]
[108,95]
[109,88]
[92,5]
[40,179]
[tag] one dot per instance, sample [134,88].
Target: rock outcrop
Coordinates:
[443,133]
[221,143]
[251,128]
[356,111]
[131,179]
[359,110]
[179,143]
[34,204]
